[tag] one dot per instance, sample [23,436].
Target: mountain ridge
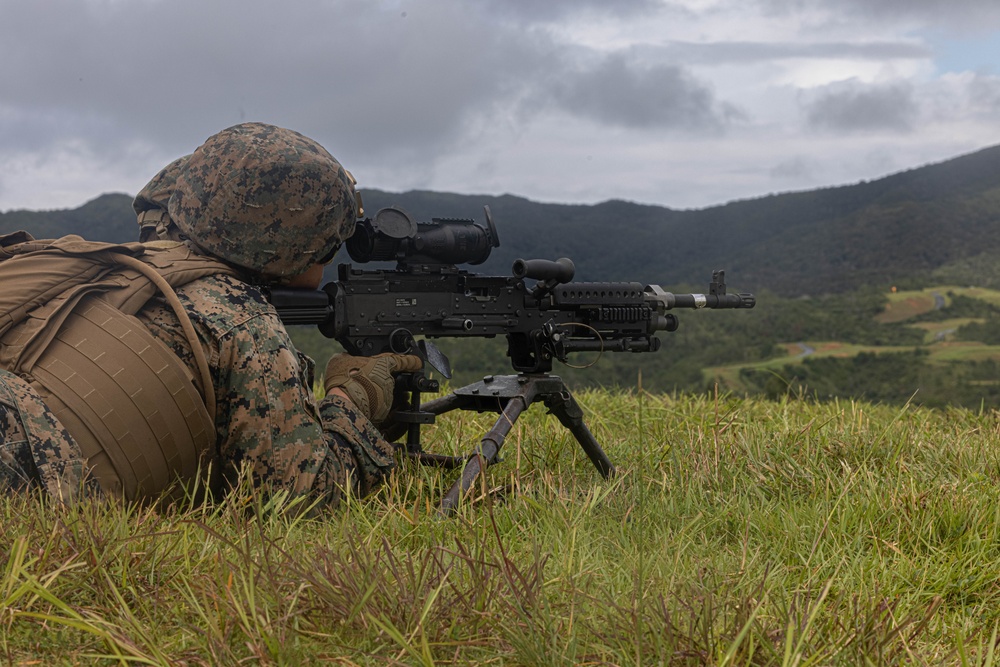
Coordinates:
[904,228]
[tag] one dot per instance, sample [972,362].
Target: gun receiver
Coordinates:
[384,310]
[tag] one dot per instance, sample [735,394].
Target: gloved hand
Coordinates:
[369,381]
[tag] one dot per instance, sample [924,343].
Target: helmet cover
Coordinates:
[150,205]
[264,198]
[156,193]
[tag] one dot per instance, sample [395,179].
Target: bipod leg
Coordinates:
[568,411]
[510,395]
[485,454]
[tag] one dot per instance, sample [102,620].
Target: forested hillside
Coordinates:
[107,218]
[932,224]
[895,230]
[826,266]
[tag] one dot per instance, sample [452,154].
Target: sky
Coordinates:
[685,104]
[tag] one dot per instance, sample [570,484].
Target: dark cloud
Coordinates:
[368,80]
[374,82]
[619,91]
[533,11]
[741,52]
[456,94]
[798,168]
[857,107]
[963,15]
[984,93]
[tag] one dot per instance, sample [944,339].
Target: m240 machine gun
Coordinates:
[543,314]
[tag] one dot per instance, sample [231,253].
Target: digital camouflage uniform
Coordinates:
[271,203]
[35,449]
[266,416]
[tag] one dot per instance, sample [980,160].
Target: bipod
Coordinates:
[508,395]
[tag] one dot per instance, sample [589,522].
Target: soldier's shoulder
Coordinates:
[226,302]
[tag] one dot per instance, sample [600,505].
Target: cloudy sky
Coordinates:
[685,103]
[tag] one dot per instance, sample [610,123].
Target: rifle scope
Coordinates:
[394,235]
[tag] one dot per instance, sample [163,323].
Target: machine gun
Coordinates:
[385,310]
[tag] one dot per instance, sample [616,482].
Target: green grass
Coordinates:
[728,376]
[945,329]
[903,305]
[737,532]
[941,351]
[906,304]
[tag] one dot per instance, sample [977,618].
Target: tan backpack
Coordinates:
[67,326]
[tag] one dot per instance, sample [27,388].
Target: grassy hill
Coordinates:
[738,532]
[952,357]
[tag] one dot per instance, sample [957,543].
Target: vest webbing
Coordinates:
[68,327]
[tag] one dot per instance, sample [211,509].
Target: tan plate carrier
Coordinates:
[142,419]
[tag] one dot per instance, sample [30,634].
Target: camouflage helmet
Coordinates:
[150,205]
[264,198]
[156,193]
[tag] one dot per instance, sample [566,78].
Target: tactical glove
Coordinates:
[369,381]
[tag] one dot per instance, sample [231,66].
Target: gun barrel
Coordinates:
[713,301]
[719,300]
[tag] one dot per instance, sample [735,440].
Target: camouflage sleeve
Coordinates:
[267,417]
[270,421]
[359,447]
[35,448]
